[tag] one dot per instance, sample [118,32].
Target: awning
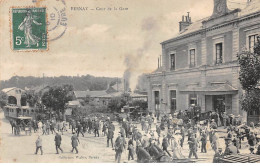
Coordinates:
[217,89]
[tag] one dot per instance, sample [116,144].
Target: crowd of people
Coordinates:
[154,140]
[166,141]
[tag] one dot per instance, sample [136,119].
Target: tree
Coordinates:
[32,98]
[57,97]
[116,103]
[3,99]
[249,77]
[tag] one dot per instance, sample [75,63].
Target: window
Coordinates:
[252,41]
[157,100]
[193,99]
[172,56]
[192,58]
[219,53]
[173,101]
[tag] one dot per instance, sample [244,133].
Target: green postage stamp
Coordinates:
[29,29]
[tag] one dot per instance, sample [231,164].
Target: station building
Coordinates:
[199,65]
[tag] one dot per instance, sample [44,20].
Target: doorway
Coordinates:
[219,103]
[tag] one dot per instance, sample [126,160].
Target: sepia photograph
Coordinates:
[129,81]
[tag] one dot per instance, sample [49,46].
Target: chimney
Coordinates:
[185,23]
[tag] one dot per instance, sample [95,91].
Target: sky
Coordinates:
[100,42]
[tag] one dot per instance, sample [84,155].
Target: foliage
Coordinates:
[140,103]
[116,103]
[32,98]
[80,83]
[249,77]
[3,99]
[57,96]
[249,70]
[87,99]
[251,100]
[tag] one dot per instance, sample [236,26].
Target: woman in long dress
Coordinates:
[26,26]
[176,148]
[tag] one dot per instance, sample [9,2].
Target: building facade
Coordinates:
[200,67]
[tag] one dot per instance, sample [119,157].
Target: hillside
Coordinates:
[80,83]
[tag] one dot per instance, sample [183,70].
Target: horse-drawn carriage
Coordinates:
[22,124]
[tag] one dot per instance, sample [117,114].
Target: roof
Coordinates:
[6,90]
[110,95]
[83,94]
[118,87]
[251,8]
[212,90]
[111,89]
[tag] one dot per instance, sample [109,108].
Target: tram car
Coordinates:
[14,111]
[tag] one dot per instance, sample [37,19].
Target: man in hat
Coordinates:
[73,126]
[119,147]
[165,145]
[158,130]
[142,122]
[146,126]
[150,121]
[258,149]
[218,155]
[39,145]
[203,142]
[230,148]
[122,131]
[193,145]
[110,134]
[104,129]
[79,129]
[96,127]
[236,141]
[252,142]
[57,140]
[130,149]
[74,142]
[225,119]
[190,132]
[48,127]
